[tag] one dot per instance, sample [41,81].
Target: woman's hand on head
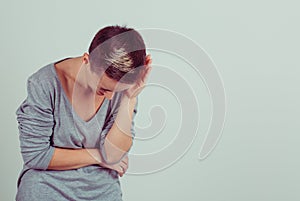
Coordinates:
[133,91]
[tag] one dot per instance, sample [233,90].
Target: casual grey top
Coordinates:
[46,120]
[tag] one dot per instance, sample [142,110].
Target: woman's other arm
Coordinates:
[35,124]
[66,159]
[119,138]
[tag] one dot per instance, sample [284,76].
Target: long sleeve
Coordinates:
[47,121]
[35,124]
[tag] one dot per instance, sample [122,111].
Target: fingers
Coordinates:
[147,72]
[125,159]
[124,163]
[122,168]
[120,173]
[147,69]
[139,84]
[148,59]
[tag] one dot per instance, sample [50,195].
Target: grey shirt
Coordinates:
[46,120]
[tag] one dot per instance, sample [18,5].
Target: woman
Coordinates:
[77,123]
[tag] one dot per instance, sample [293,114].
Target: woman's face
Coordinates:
[107,86]
[103,85]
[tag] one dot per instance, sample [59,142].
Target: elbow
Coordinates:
[33,164]
[38,159]
[112,154]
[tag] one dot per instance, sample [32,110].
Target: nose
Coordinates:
[109,95]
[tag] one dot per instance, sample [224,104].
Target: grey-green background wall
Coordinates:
[255,46]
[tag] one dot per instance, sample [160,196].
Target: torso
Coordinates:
[65,129]
[84,103]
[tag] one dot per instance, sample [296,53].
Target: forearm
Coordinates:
[117,142]
[66,159]
[119,139]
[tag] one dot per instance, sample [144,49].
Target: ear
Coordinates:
[85,58]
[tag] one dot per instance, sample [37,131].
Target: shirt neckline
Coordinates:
[69,105]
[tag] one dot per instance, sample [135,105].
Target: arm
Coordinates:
[118,141]
[35,124]
[66,159]
[35,119]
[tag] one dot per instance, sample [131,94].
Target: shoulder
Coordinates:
[43,82]
[44,75]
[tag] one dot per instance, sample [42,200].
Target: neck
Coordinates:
[77,72]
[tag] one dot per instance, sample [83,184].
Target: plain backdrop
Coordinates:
[255,46]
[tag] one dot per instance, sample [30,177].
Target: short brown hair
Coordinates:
[119,51]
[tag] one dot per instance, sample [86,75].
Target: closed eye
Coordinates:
[103,89]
